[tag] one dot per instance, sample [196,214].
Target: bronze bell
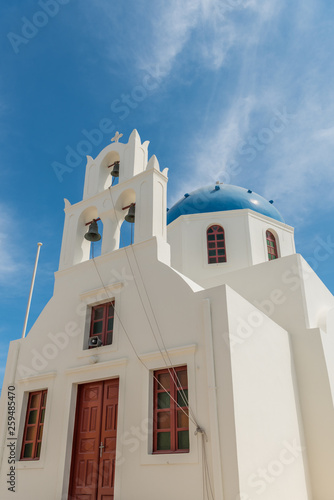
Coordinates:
[130,216]
[93,232]
[115,170]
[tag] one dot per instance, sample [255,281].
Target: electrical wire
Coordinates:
[133,347]
[177,381]
[207,486]
[209,489]
[170,367]
[191,415]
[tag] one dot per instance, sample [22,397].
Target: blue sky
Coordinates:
[239,91]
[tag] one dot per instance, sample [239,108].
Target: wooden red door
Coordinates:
[94,446]
[108,441]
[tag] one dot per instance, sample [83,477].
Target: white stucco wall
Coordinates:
[246,414]
[53,357]
[245,241]
[256,336]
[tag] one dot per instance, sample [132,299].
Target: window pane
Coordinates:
[182,397]
[163,441]
[212,253]
[183,440]
[164,379]
[212,245]
[97,327]
[34,426]
[182,376]
[38,452]
[40,434]
[98,313]
[110,324]
[32,417]
[220,236]
[211,237]
[30,433]
[210,230]
[182,418]
[28,450]
[221,259]
[34,401]
[164,420]
[44,399]
[109,338]
[220,229]
[221,252]
[42,416]
[111,311]
[163,400]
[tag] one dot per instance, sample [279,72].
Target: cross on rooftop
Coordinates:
[116,137]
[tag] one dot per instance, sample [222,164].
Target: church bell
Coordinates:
[130,216]
[115,170]
[93,232]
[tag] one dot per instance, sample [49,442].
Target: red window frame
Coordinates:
[34,426]
[101,325]
[271,246]
[215,238]
[170,411]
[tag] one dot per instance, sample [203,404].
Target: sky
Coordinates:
[239,91]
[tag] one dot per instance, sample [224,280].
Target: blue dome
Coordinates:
[221,198]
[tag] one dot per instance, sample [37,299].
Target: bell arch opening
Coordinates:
[106,167]
[126,234]
[87,248]
[125,208]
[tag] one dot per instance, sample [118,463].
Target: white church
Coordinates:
[196,363]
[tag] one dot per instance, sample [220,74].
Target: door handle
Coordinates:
[101,448]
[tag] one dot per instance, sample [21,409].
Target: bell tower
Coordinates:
[142,190]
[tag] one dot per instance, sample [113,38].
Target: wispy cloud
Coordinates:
[325,134]
[190,30]
[9,253]
[206,28]
[301,165]
[295,162]
[216,156]
[15,266]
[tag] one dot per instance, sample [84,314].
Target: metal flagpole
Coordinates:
[31,290]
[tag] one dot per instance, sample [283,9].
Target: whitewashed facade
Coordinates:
[256,337]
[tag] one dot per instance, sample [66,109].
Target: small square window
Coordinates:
[216,244]
[271,246]
[102,323]
[34,424]
[171,421]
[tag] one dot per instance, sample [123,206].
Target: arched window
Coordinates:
[216,244]
[271,245]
